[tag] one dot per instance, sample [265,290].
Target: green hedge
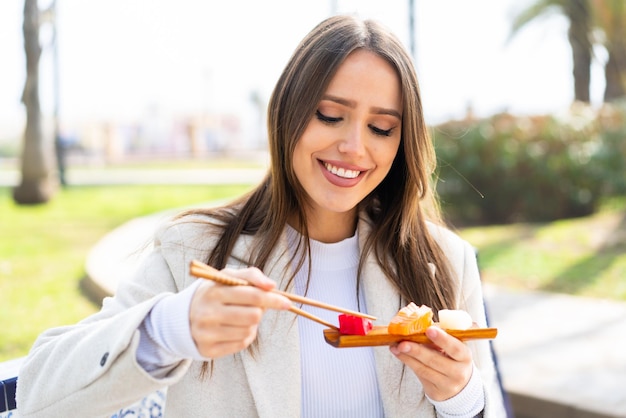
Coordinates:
[509,169]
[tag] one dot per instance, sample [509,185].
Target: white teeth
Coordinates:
[342,172]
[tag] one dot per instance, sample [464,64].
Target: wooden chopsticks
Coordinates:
[205,271]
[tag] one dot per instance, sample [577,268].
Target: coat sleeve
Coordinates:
[471,299]
[464,264]
[90,368]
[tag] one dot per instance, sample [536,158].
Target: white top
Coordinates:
[335,382]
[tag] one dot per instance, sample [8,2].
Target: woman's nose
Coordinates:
[353,141]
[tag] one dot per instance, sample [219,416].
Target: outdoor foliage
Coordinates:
[44,247]
[507,169]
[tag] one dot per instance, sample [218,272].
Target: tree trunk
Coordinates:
[578,35]
[37,185]
[614,89]
[615,67]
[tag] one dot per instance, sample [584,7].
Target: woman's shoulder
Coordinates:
[189,229]
[449,241]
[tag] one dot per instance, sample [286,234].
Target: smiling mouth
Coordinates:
[342,172]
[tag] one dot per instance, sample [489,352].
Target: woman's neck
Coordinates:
[329,227]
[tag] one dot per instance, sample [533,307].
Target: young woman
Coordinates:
[345,215]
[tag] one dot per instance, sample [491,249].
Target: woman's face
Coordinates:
[351,141]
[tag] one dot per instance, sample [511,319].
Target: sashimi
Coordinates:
[354,325]
[411,319]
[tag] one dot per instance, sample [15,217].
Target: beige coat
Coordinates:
[89,369]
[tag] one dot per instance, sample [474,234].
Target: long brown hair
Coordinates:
[399,206]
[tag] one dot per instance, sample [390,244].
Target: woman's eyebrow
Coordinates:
[352,104]
[385,111]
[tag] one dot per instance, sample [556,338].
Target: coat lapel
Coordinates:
[273,368]
[400,390]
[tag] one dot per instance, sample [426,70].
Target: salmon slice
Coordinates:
[411,319]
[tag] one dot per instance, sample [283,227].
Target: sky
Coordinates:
[121,59]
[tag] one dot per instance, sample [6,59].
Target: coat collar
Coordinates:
[273,371]
[399,388]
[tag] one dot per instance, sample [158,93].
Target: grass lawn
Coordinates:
[582,256]
[43,250]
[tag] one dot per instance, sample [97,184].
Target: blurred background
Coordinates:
[141,76]
[124,81]
[112,111]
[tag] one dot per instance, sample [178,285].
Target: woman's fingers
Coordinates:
[245,296]
[215,342]
[224,319]
[252,275]
[452,347]
[444,367]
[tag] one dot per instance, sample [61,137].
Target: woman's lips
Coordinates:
[341,176]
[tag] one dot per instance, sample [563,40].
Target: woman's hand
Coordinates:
[225,319]
[444,368]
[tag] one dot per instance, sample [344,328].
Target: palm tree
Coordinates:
[610,18]
[36,185]
[579,36]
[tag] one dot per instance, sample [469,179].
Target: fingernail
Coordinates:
[432,332]
[400,348]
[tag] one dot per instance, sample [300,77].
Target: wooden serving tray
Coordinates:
[379,336]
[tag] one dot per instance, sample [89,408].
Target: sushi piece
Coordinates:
[354,325]
[454,319]
[411,319]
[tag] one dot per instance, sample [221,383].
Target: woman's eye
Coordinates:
[326,119]
[381,132]
[330,120]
